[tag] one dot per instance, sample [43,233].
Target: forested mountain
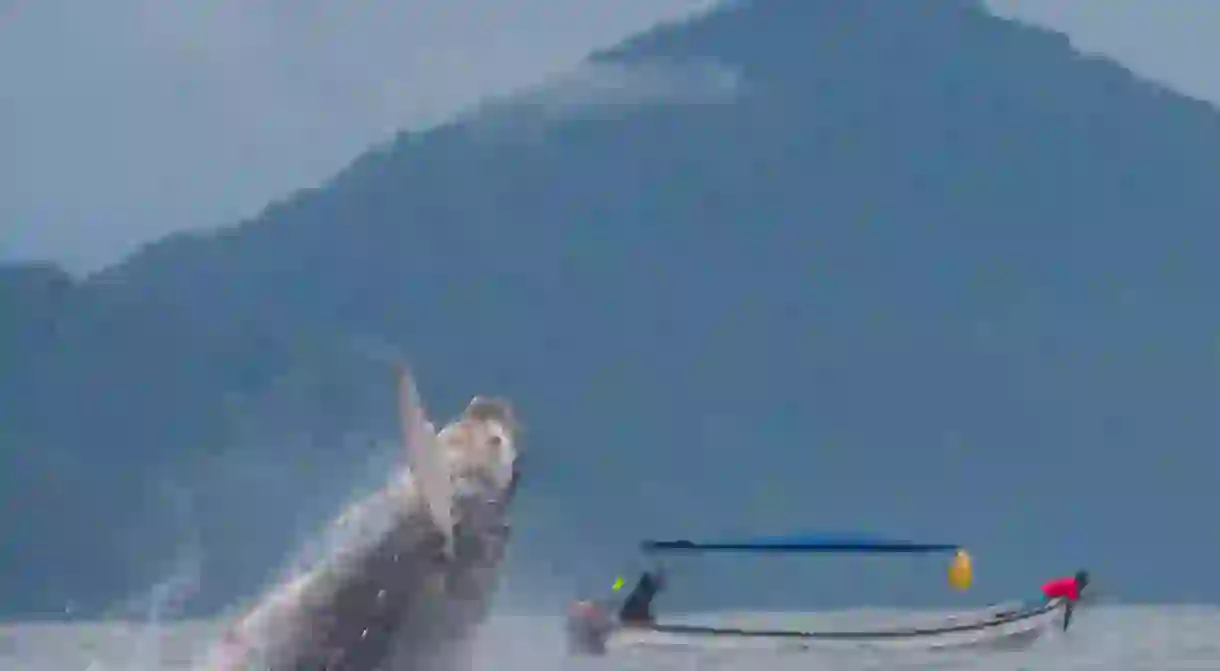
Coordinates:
[795,264]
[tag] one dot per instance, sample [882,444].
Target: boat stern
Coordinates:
[588,628]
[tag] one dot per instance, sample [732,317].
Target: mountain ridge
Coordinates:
[707,300]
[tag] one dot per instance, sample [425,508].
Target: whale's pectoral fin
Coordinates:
[430,470]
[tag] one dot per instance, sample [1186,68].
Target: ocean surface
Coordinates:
[1109,638]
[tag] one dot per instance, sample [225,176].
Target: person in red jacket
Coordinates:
[1068,588]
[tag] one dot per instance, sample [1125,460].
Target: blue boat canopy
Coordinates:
[827,543]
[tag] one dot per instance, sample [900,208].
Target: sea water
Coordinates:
[1104,638]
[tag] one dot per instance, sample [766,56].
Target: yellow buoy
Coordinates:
[961,571]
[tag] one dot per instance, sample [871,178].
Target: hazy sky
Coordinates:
[123,120]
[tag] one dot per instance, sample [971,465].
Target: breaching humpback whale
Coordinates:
[413,566]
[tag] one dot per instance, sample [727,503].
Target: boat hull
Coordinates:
[999,628]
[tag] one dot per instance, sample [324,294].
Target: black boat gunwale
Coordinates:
[983,625]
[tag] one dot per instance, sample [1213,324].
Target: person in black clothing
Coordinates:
[637,609]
